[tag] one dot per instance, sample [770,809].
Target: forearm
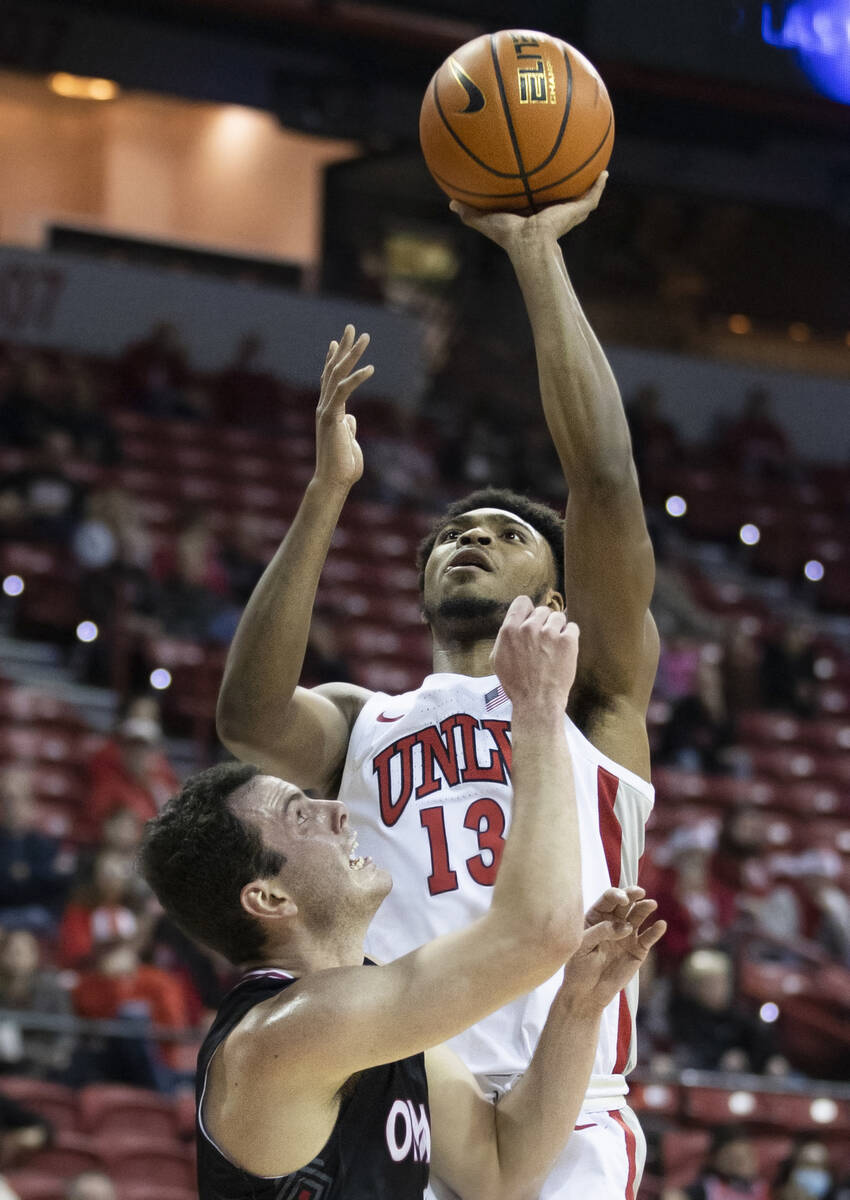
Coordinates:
[536,1118]
[267,653]
[581,400]
[538,887]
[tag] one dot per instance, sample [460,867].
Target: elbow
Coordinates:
[549,939]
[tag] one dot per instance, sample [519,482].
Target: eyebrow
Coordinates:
[502,519]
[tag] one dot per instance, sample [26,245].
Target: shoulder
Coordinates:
[349,698]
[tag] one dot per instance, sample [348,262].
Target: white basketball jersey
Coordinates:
[428,789]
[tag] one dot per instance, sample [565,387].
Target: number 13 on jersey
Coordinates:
[486,818]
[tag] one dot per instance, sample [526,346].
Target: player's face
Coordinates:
[323,872]
[488,554]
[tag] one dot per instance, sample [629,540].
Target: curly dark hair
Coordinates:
[197,856]
[541,517]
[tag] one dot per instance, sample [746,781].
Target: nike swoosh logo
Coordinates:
[578,1128]
[473,91]
[381,717]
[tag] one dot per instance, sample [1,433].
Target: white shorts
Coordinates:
[603,1159]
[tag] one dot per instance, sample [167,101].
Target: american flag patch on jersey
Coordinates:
[495,698]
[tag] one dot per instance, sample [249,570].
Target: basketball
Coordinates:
[514,121]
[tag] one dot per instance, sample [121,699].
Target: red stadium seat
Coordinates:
[113,1107]
[683,1152]
[713,1106]
[70,1153]
[158,1164]
[33,1185]
[54,1101]
[661,1098]
[768,728]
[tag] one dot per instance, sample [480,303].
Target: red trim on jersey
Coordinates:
[612,835]
[631,1153]
[612,843]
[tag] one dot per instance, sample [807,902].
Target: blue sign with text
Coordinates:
[819,32]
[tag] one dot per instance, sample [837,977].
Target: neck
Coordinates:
[304,955]
[463,657]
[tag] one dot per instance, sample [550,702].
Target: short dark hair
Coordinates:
[541,517]
[197,855]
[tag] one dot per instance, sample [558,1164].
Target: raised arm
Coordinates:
[488,1152]
[609,559]
[263,716]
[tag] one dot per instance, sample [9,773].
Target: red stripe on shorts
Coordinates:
[631,1153]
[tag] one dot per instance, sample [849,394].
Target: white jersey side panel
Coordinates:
[427,786]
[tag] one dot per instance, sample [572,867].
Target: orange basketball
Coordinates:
[516,120]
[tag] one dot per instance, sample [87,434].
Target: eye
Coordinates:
[300,816]
[448,535]
[514,533]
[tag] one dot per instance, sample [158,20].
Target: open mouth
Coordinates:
[471,558]
[356,862]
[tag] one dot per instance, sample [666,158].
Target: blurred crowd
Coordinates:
[81,936]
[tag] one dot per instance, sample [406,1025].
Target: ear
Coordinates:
[266,899]
[556,602]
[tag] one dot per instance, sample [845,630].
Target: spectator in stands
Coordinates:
[787,676]
[119,986]
[741,666]
[35,868]
[807,1173]
[90,1185]
[755,444]
[324,660]
[710,1029]
[698,727]
[155,371]
[48,501]
[808,903]
[698,908]
[192,582]
[94,436]
[131,770]
[22,1133]
[24,402]
[30,987]
[740,859]
[98,912]
[246,390]
[678,667]
[731,1172]
[243,557]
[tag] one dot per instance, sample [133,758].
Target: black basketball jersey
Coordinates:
[379,1148]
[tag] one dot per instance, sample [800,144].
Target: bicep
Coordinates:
[308,745]
[610,573]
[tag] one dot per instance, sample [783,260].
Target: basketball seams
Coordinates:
[479,162]
[543,188]
[506,110]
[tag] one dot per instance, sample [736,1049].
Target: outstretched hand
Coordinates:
[339,459]
[616,941]
[509,229]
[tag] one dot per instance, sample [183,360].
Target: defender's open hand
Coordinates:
[510,231]
[535,654]
[616,941]
[339,460]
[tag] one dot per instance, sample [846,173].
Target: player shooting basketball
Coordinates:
[312,1080]
[427,774]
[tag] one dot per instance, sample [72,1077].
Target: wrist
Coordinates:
[328,490]
[575,1004]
